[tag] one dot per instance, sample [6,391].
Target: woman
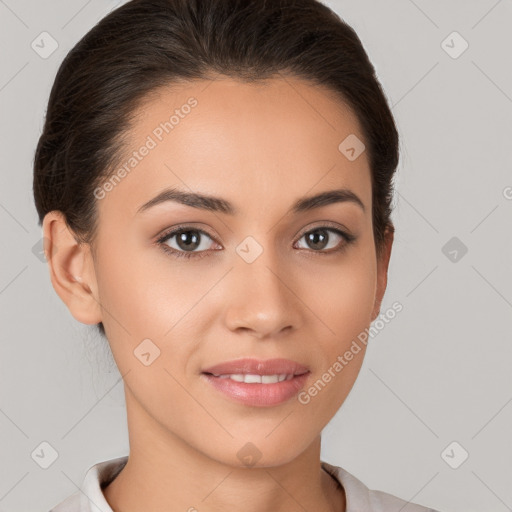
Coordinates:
[214,183]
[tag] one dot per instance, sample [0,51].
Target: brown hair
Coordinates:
[147,44]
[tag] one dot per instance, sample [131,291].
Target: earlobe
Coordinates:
[382,272]
[71,269]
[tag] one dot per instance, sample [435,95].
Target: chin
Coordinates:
[260,451]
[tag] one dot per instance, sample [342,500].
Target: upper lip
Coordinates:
[257,367]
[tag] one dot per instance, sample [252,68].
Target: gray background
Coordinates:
[439,372]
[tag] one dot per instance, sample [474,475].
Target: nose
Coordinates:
[261,298]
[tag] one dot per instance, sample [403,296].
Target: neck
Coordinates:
[163,473]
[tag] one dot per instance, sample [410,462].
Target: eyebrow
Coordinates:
[217,204]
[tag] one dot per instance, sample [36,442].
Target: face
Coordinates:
[183,287]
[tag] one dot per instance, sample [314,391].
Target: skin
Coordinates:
[261,147]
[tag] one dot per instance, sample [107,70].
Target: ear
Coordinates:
[71,269]
[382,272]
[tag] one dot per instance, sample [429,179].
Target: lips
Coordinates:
[257,383]
[257,367]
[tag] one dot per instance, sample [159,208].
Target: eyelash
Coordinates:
[348,239]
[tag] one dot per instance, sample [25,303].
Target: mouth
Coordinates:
[253,378]
[258,383]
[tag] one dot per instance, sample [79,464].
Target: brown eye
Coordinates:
[186,242]
[324,238]
[317,239]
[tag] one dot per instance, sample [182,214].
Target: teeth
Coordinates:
[250,378]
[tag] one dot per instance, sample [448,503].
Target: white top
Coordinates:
[90,497]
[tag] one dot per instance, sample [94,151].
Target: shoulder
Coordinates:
[90,496]
[70,504]
[360,497]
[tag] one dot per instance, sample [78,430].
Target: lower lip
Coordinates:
[260,395]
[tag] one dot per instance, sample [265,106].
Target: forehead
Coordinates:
[264,142]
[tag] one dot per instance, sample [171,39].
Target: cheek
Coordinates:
[352,305]
[344,300]
[343,297]
[345,310]
[142,289]
[147,295]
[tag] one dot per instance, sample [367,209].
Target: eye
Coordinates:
[189,242]
[186,242]
[320,239]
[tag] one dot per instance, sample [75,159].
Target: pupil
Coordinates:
[315,236]
[185,243]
